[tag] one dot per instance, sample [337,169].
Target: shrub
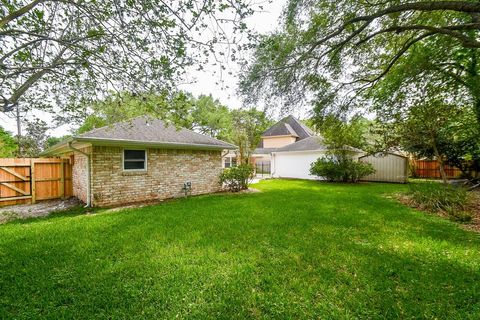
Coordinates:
[236,178]
[435,196]
[346,170]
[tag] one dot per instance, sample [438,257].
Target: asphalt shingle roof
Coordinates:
[289,126]
[264,150]
[307,144]
[144,129]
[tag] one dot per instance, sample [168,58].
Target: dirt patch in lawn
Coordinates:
[473,206]
[40,209]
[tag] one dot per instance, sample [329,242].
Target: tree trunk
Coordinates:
[441,163]
[19,130]
[477,109]
[474,83]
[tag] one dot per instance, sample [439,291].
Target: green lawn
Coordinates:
[296,250]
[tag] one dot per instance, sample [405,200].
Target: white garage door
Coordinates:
[294,164]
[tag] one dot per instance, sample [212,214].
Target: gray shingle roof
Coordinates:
[264,150]
[143,131]
[307,144]
[289,126]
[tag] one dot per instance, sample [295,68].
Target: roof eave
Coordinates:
[299,151]
[154,144]
[56,147]
[280,136]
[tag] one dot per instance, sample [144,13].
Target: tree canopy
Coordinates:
[8,144]
[173,108]
[203,114]
[34,140]
[68,53]
[342,54]
[434,129]
[247,127]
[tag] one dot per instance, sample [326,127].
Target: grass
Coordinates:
[298,249]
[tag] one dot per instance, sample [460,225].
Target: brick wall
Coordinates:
[79,175]
[167,170]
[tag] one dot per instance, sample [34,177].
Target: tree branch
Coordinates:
[32,79]
[459,6]
[399,54]
[20,12]
[467,42]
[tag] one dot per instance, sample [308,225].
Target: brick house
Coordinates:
[140,160]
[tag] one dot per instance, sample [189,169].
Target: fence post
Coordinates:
[32,179]
[62,179]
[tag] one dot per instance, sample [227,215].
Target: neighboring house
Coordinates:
[288,149]
[140,160]
[295,160]
[283,133]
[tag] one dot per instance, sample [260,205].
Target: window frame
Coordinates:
[230,160]
[135,170]
[225,162]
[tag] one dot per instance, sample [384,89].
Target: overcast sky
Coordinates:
[261,22]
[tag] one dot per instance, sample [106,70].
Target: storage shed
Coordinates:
[389,167]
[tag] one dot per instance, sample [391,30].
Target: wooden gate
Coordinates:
[25,180]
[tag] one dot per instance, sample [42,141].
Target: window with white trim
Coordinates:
[134,160]
[230,162]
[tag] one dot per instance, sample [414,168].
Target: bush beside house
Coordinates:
[236,178]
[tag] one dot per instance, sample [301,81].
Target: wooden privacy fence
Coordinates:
[25,180]
[431,169]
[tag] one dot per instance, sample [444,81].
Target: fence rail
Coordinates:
[431,169]
[27,180]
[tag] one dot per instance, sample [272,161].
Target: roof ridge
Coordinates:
[118,123]
[289,125]
[307,129]
[290,129]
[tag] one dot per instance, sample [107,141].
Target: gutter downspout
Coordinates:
[89,191]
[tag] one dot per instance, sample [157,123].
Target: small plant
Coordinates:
[346,170]
[460,216]
[434,196]
[236,178]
